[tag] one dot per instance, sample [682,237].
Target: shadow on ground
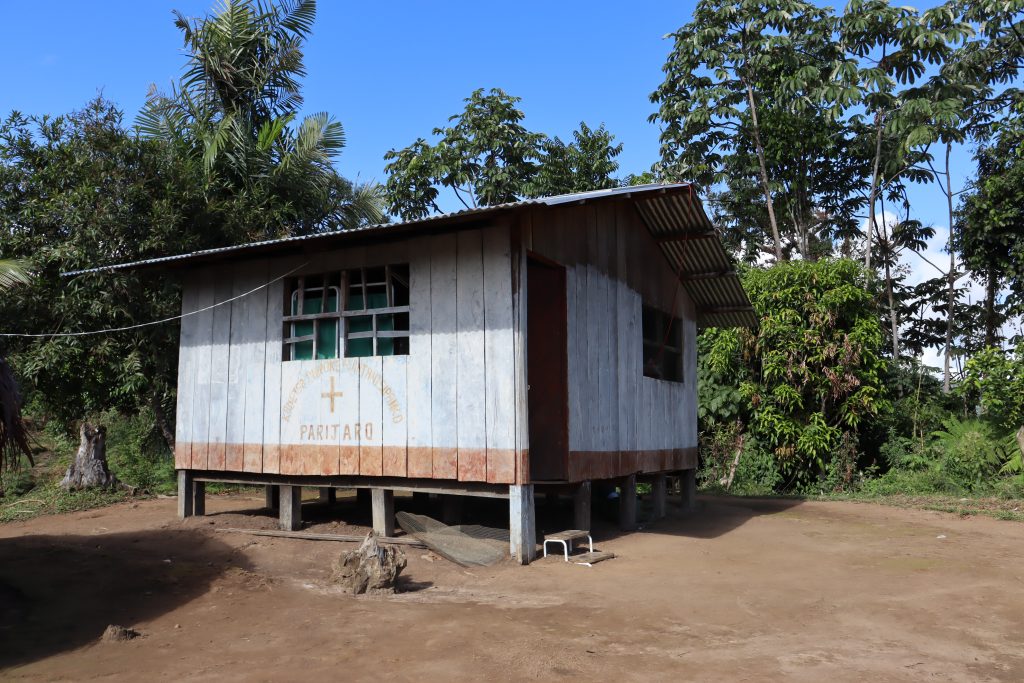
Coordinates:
[59,593]
[714,516]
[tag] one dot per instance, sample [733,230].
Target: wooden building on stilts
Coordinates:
[497,352]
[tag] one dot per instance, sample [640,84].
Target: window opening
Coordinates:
[354,313]
[663,345]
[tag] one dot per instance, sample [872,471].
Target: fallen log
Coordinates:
[307,536]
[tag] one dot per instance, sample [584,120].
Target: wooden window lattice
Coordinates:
[357,312]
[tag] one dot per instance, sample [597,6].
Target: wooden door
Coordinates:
[547,371]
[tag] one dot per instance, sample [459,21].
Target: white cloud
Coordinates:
[931,263]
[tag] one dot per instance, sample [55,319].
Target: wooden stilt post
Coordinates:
[522,526]
[581,506]
[688,489]
[328,495]
[659,489]
[290,513]
[383,501]
[627,503]
[272,496]
[186,494]
[199,498]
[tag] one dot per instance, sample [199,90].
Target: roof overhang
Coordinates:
[672,213]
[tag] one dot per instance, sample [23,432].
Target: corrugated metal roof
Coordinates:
[688,240]
[672,212]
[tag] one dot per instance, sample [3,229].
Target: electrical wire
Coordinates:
[153,322]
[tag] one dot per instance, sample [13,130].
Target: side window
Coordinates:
[353,313]
[663,345]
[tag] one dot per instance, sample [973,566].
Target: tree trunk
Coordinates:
[951,298]
[887,250]
[161,421]
[370,568]
[762,164]
[727,481]
[894,320]
[991,325]
[873,195]
[89,469]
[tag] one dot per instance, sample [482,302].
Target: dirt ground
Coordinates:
[740,590]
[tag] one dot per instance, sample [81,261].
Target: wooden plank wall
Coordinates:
[619,421]
[445,411]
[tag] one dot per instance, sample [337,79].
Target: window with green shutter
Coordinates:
[352,313]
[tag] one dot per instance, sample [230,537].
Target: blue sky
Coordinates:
[388,71]
[391,71]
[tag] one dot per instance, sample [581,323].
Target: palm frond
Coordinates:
[215,141]
[13,272]
[319,134]
[299,17]
[271,131]
[365,207]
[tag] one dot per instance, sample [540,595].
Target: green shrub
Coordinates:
[963,457]
[841,472]
[136,452]
[757,473]
[969,452]
[912,482]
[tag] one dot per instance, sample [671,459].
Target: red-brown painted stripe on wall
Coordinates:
[495,466]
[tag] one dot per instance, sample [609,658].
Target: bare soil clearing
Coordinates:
[741,590]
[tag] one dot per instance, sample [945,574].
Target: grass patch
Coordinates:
[964,506]
[133,454]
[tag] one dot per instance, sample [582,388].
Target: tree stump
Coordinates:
[370,568]
[89,469]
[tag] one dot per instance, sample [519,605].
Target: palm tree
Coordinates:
[234,108]
[13,435]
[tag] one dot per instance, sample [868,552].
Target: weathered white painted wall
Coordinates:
[619,420]
[612,406]
[447,410]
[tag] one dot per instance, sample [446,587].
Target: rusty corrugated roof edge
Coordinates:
[672,212]
[578,197]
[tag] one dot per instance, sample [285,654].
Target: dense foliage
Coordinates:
[811,375]
[488,157]
[217,161]
[806,126]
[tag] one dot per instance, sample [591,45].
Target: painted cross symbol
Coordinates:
[332,394]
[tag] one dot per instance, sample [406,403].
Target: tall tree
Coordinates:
[233,115]
[990,224]
[486,156]
[735,61]
[885,46]
[586,163]
[78,191]
[970,96]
